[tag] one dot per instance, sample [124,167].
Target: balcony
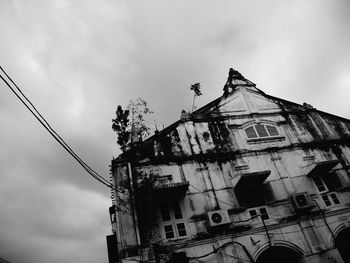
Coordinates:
[165,189]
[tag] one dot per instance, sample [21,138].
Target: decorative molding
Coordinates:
[265,140]
[308,157]
[241,167]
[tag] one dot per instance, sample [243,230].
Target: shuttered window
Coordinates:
[173,222]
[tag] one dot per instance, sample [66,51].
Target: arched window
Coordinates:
[261,131]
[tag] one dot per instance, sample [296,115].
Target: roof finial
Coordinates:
[229,80]
[233,76]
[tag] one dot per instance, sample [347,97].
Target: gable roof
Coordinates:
[232,87]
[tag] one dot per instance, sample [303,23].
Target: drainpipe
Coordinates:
[213,190]
[132,201]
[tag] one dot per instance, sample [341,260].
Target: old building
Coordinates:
[247,178]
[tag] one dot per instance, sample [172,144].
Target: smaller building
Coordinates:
[247,178]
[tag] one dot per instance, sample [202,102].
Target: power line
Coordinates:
[47,124]
[53,133]
[62,142]
[215,198]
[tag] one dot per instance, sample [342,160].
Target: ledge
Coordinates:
[266,139]
[170,191]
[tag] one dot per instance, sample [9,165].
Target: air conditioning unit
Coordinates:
[219,217]
[302,202]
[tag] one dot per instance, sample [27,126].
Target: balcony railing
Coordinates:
[169,190]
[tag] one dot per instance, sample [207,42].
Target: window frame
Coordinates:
[331,182]
[331,198]
[323,184]
[264,129]
[174,221]
[258,215]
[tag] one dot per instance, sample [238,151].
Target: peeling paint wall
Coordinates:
[212,152]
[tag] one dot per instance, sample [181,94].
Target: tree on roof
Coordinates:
[130,124]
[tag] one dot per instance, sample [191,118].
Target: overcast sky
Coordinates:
[77,60]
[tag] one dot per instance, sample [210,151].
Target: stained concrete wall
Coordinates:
[211,151]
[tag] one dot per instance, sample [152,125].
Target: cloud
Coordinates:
[77,60]
[59,54]
[53,221]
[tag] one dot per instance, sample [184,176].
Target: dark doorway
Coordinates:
[342,243]
[279,255]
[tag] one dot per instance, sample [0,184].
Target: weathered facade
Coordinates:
[246,178]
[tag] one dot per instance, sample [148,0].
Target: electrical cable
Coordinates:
[224,245]
[53,133]
[239,221]
[324,218]
[86,167]
[61,141]
[201,192]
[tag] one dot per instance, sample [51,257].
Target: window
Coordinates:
[181,229]
[251,191]
[261,131]
[173,223]
[320,184]
[335,199]
[253,214]
[330,181]
[259,214]
[326,200]
[177,210]
[263,213]
[330,199]
[272,130]
[169,232]
[251,133]
[247,199]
